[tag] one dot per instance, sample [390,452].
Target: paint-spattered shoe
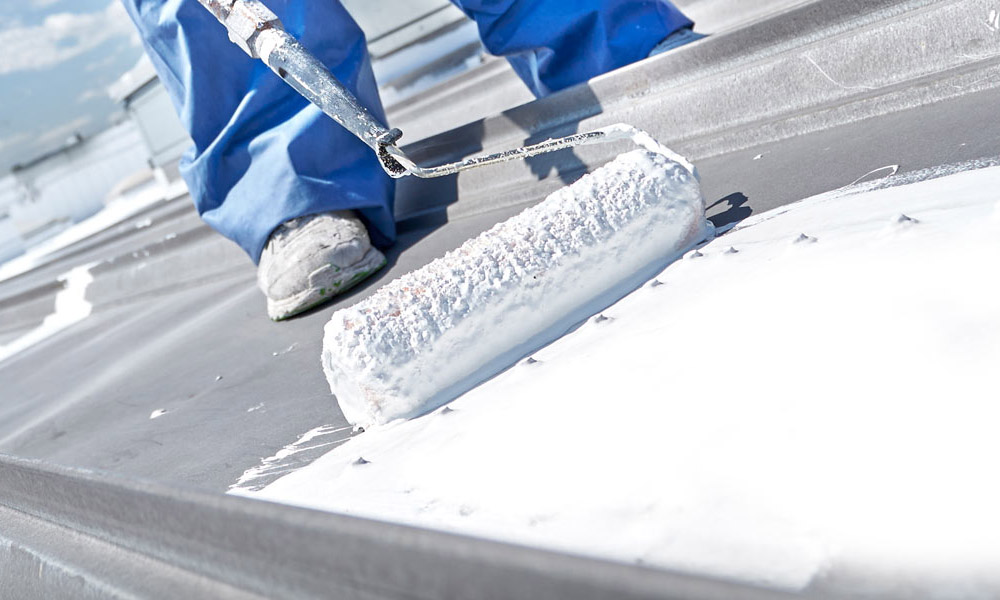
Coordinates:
[310,260]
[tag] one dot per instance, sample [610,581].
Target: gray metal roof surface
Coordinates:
[166,325]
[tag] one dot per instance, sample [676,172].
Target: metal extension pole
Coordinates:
[259,32]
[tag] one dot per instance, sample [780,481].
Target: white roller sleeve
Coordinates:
[432,334]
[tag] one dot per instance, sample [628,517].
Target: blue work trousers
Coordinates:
[262,154]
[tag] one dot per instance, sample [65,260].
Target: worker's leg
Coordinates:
[262,154]
[554,44]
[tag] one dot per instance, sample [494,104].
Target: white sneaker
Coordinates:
[310,260]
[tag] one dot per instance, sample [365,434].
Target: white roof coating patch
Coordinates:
[786,414]
[71,307]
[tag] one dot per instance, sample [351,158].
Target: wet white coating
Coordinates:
[816,412]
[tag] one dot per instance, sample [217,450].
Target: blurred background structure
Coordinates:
[414,45]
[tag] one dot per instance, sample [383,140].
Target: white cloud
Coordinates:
[100,64]
[88,95]
[60,37]
[14,140]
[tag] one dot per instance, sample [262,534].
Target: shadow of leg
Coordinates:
[735,210]
[556,116]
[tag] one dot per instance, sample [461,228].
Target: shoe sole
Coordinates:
[341,281]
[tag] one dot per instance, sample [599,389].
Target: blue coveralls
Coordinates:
[263,155]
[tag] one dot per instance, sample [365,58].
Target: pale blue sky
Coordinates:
[58,59]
